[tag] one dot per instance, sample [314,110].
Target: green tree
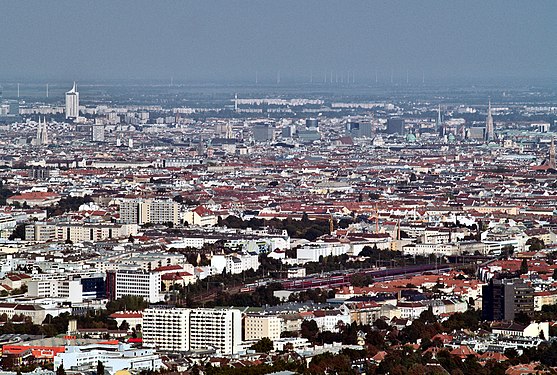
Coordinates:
[265,345]
[524,267]
[129,303]
[124,326]
[100,368]
[535,244]
[309,330]
[19,232]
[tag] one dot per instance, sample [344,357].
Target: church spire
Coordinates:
[489,127]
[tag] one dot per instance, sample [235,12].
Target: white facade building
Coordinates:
[235,263]
[136,282]
[122,357]
[186,329]
[311,252]
[72,103]
[166,329]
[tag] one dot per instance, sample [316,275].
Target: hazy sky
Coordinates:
[230,40]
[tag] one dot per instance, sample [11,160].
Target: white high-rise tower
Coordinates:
[72,103]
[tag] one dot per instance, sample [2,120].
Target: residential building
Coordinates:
[178,329]
[234,263]
[154,211]
[258,326]
[167,328]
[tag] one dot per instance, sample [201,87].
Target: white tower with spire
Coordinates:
[72,103]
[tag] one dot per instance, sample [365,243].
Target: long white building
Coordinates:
[114,358]
[181,329]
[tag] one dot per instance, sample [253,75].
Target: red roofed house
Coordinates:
[175,274]
[35,199]
[22,355]
[200,216]
[463,352]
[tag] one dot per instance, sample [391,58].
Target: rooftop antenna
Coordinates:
[47,90]
[376,80]
[171,81]
[235,102]
[423,77]
[18,90]
[256,77]
[331,76]
[353,79]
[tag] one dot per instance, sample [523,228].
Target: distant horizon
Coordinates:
[286,80]
[230,40]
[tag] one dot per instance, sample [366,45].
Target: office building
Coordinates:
[395,126]
[263,132]
[359,129]
[181,329]
[288,131]
[503,299]
[72,103]
[137,282]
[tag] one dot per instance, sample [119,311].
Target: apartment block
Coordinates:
[257,326]
[154,211]
[186,329]
[166,328]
